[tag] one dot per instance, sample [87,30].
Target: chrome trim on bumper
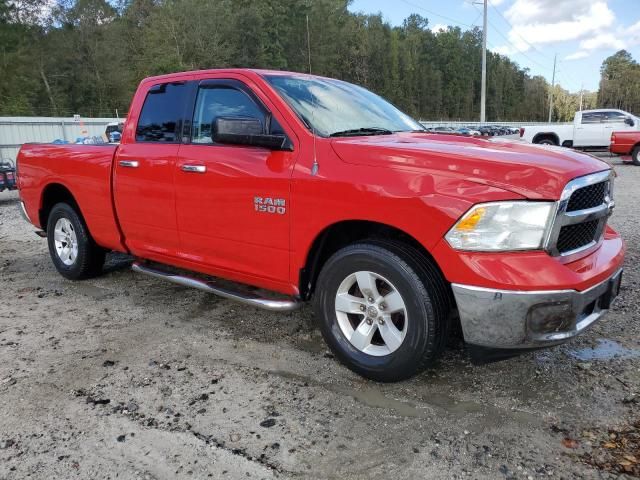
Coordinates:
[508,318]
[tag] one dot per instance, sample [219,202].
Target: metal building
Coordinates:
[14,131]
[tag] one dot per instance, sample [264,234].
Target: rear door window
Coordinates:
[591,117]
[162,113]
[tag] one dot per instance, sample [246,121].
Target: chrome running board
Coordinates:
[247,298]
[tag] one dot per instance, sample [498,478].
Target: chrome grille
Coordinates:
[576,236]
[588,197]
[581,216]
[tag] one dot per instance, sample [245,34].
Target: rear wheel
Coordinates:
[545,141]
[635,156]
[382,309]
[73,252]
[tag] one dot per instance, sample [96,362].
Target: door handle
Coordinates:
[193,168]
[129,163]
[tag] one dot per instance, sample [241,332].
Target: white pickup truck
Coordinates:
[590,129]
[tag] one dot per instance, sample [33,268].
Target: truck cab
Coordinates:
[590,129]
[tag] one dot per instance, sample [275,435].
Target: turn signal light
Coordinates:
[470,222]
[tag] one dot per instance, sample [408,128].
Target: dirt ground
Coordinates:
[125,376]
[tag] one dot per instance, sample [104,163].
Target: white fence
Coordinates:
[14,131]
[451,123]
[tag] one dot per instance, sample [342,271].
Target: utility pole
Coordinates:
[483,88]
[553,83]
[308,44]
[581,93]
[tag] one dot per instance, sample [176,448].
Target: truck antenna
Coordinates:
[315,166]
[308,43]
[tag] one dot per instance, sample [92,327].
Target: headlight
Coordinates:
[503,226]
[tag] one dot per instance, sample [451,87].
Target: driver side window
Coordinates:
[221,101]
[615,117]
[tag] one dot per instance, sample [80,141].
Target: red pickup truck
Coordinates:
[626,143]
[315,188]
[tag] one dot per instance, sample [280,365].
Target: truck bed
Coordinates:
[85,171]
[623,143]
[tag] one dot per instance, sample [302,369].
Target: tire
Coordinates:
[73,252]
[546,141]
[419,330]
[635,156]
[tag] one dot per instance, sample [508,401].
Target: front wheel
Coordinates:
[635,156]
[382,309]
[73,252]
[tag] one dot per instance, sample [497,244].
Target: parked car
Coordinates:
[486,130]
[590,129]
[317,189]
[626,143]
[467,131]
[112,129]
[7,175]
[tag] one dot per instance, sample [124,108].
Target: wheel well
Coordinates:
[341,234]
[567,143]
[55,193]
[547,135]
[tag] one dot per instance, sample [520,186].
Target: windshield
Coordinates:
[336,108]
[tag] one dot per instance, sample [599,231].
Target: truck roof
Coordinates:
[604,110]
[255,71]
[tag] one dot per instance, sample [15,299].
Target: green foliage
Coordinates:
[88,56]
[620,82]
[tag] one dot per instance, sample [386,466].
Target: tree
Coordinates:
[620,82]
[87,56]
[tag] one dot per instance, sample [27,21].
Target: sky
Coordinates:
[581,32]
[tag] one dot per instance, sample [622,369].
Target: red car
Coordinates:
[626,143]
[315,188]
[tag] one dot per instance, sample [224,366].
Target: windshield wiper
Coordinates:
[362,131]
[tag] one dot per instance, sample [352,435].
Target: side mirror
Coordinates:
[629,121]
[246,131]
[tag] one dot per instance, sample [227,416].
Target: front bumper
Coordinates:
[513,319]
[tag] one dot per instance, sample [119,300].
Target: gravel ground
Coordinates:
[126,376]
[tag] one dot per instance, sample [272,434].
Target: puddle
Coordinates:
[605,350]
[373,397]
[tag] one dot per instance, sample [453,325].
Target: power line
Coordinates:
[513,46]
[520,52]
[516,32]
[457,22]
[567,77]
[431,12]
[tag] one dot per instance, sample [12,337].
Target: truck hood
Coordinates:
[533,171]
